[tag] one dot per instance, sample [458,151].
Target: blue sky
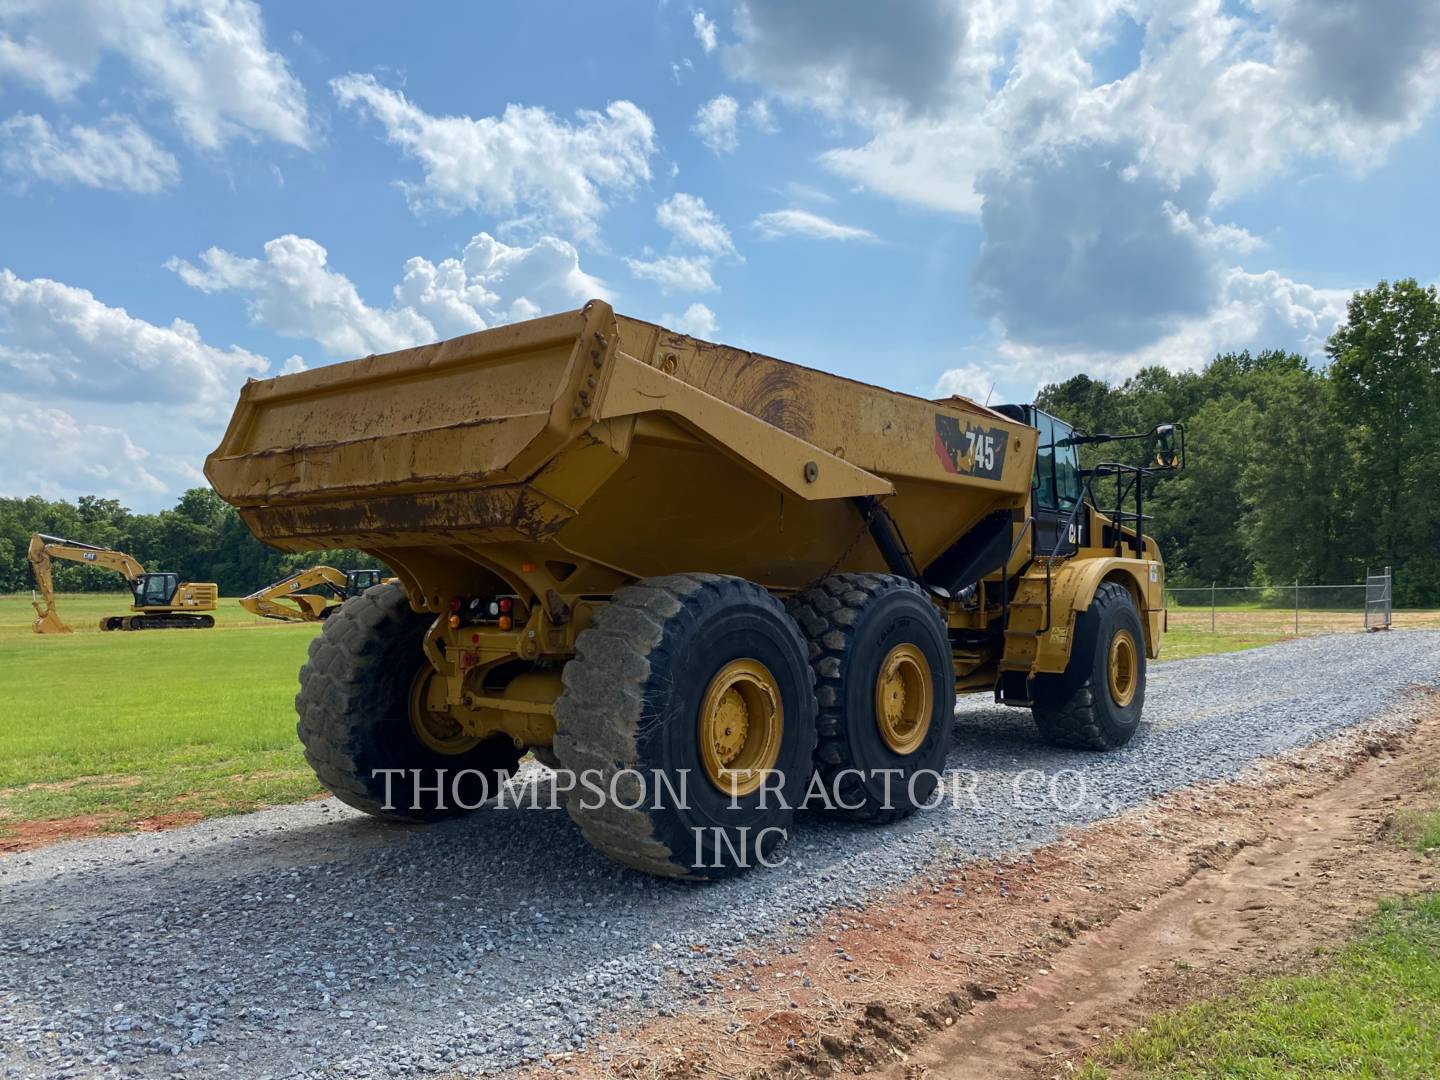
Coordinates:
[936,196]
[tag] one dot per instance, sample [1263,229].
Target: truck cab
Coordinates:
[1057,485]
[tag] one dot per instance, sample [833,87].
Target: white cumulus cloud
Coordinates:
[116,154]
[293,291]
[206,59]
[796,222]
[761,118]
[696,320]
[693,223]
[1098,142]
[969,381]
[525,161]
[717,124]
[675,273]
[1254,310]
[705,32]
[61,340]
[48,452]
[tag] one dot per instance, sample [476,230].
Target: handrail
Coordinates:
[1120,515]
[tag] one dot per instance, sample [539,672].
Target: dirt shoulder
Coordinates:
[1017,968]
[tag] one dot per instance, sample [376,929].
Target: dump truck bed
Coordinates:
[613,448]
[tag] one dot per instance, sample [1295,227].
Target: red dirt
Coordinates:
[25,835]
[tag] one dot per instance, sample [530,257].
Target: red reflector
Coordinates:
[475,639]
[506,604]
[455,603]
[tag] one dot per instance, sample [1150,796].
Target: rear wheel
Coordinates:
[688,719]
[1096,703]
[885,684]
[369,726]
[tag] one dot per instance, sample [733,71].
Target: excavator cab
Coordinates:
[155,590]
[357,581]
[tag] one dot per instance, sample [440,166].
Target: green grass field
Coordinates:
[1182,642]
[130,726]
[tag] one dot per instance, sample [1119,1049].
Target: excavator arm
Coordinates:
[272,601]
[45,549]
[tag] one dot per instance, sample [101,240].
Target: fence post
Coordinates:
[1212,607]
[1297,607]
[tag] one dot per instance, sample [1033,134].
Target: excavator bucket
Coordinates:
[48,621]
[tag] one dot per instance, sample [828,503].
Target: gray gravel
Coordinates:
[311,941]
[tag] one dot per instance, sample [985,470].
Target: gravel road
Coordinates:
[311,941]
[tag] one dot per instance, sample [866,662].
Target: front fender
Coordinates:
[1072,588]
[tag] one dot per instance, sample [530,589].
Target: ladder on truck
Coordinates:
[1025,616]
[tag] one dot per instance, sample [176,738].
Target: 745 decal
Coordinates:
[970,449]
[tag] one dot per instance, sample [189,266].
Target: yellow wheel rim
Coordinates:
[741,723]
[1124,668]
[434,727]
[903,699]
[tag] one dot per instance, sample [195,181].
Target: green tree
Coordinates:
[1295,480]
[1386,371]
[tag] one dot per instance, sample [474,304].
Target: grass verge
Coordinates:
[1373,1011]
[125,727]
[1183,642]
[1420,828]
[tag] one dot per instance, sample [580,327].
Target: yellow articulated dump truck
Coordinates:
[706,585]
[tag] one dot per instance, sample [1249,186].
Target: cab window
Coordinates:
[1068,488]
[155,590]
[1045,463]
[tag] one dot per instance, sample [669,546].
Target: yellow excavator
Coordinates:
[335,587]
[161,601]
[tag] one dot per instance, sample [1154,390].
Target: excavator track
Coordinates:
[171,621]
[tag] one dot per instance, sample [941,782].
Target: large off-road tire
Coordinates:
[1096,703]
[355,704]
[885,685]
[666,659]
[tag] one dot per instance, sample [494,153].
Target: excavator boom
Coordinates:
[272,601]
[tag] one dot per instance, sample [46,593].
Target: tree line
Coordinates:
[1294,472]
[201,538]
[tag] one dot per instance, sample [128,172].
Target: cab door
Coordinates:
[1057,488]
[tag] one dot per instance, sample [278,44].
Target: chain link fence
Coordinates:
[1292,609]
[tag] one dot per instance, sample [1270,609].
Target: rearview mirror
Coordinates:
[1169,446]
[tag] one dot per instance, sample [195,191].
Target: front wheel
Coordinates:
[1096,703]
